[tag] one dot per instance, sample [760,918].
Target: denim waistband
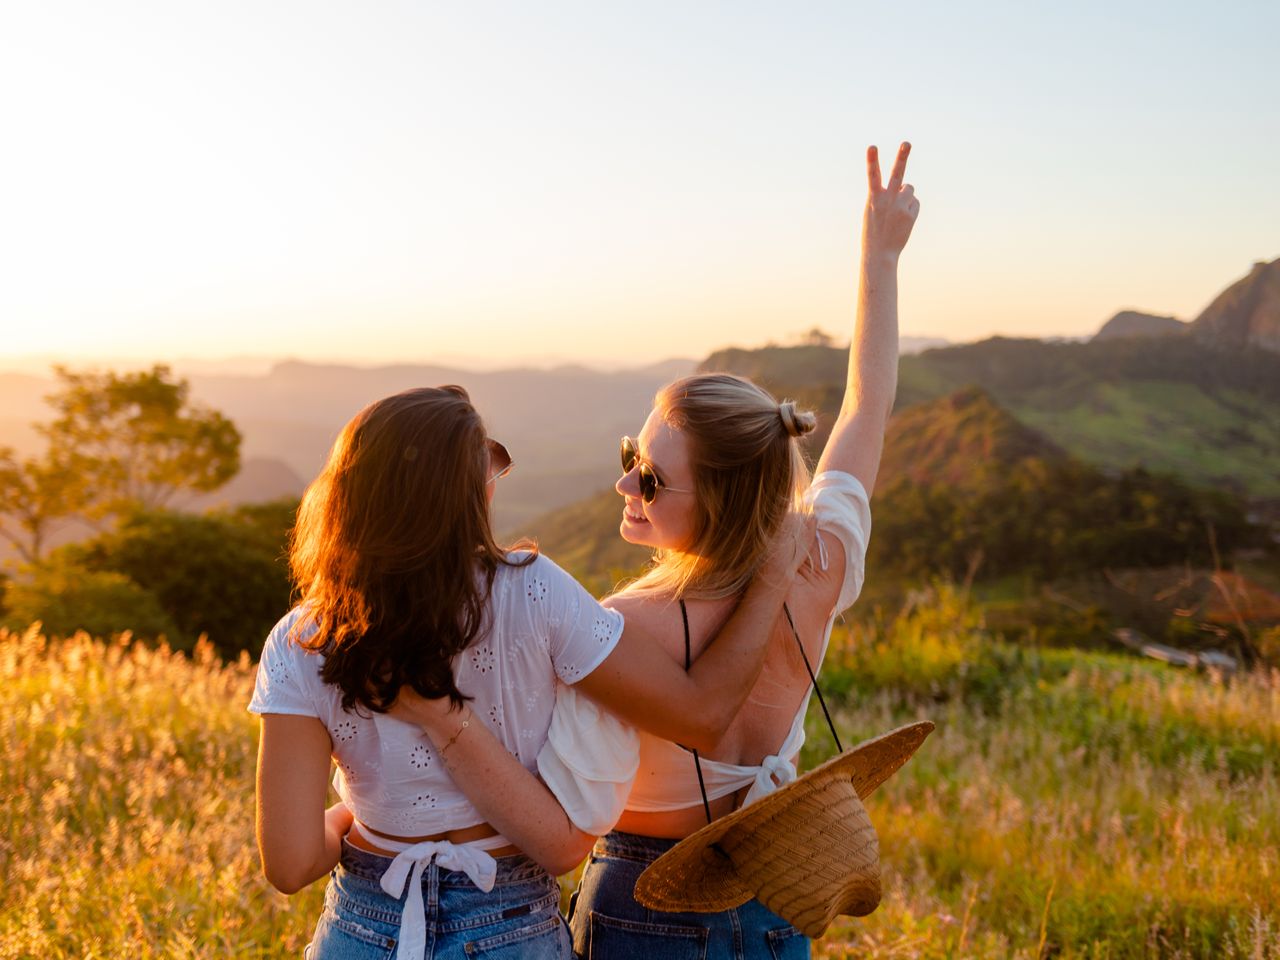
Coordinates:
[633,846]
[514,868]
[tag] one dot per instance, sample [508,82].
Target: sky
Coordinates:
[497,183]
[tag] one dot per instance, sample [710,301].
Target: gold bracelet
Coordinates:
[454,739]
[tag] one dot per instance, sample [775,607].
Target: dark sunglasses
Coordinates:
[650,483]
[499,459]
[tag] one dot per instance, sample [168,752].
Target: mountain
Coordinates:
[260,479]
[1131,323]
[1247,313]
[948,439]
[561,425]
[1203,410]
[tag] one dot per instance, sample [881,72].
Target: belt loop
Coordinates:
[433,891]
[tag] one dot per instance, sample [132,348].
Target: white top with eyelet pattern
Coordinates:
[543,628]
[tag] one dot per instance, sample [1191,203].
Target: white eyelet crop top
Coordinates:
[543,629]
[591,759]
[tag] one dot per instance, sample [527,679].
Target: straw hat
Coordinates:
[807,851]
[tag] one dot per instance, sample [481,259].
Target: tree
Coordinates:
[224,574]
[119,443]
[66,598]
[35,496]
[139,438]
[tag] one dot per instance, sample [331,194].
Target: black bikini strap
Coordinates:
[688,661]
[813,679]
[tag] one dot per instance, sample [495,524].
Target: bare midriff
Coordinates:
[676,824]
[366,838]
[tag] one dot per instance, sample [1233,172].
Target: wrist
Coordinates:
[876,258]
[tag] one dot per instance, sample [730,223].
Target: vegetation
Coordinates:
[120,442]
[1070,804]
[161,573]
[1207,411]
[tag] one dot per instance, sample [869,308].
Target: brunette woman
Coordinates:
[403,588]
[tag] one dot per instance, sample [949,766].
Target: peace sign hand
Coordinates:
[891,209]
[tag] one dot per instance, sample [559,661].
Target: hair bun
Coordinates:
[797,423]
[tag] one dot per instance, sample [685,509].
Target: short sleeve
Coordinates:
[281,686]
[581,633]
[589,761]
[842,509]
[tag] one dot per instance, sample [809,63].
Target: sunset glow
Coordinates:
[570,181]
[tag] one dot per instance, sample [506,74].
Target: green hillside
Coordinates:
[583,538]
[1208,413]
[949,440]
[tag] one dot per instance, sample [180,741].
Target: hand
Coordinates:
[790,547]
[412,707]
[891,209]
[338,819]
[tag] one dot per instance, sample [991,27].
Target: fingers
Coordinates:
[899,167]
[873,169]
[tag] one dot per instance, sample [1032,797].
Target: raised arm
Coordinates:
[857,438]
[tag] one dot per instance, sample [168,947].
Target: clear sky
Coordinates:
[613,182]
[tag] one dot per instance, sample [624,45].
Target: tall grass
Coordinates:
[127,775]
[1068,805]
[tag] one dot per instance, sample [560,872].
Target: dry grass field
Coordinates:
[1068,805]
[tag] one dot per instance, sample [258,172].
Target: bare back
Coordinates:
[762,725]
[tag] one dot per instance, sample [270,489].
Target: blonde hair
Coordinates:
[748,472]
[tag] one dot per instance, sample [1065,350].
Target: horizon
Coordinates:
[611,188]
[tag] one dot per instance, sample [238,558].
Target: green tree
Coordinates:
[140,438]
[65,598]
[119,443]
[223,574]
[36,496]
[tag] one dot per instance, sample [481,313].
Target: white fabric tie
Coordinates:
[774,772]
[470,858]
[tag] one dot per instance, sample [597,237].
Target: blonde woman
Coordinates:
[707,482]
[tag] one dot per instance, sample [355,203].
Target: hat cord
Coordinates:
[688,660]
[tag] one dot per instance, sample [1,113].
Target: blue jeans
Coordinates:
[608,924]
[519,918]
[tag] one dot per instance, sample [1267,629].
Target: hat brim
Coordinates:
[696,876]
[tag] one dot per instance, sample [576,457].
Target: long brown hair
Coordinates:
[393,554]
[748,471]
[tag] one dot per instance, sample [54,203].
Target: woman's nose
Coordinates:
[629,483]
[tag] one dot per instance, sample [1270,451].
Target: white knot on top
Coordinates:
[469,858]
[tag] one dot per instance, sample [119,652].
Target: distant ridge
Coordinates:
[1131,323]
[953,438]
[1247,313]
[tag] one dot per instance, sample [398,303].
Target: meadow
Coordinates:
[1070,804]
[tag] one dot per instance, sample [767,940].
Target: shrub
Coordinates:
[66,598]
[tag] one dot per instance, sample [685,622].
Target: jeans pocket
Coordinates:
[544,940]
[787,943]
[341,938]
[616,939]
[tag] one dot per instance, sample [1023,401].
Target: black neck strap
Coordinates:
[688,660]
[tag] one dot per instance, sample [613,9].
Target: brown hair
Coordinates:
[393,555]
[748,471]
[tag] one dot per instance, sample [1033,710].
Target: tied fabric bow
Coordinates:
[774,772]
[478,865]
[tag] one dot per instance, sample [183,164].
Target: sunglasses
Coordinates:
[499,459]
[650,483]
